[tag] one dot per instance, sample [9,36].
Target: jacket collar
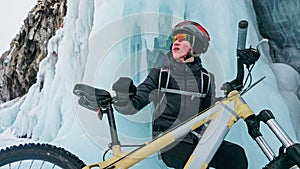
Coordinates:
[180,68]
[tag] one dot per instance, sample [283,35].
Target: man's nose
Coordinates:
[177,42]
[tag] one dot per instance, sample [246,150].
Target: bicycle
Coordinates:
[222,115]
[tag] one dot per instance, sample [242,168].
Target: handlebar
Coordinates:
[245,56]
[92,98]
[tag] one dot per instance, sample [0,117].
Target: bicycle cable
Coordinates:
[250,87]
[106,151]
[249,76]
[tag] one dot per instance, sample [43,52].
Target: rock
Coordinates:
[19,64]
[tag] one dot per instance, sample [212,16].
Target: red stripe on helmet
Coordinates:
[204,32]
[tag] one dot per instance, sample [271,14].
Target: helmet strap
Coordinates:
[191,54]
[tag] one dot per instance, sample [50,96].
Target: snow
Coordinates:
[105,39]
[288,88]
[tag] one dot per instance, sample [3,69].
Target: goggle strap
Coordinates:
[193,42]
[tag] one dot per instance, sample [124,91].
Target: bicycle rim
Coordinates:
[38,156]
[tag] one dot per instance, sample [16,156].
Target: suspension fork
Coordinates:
[253,123]
[266,116]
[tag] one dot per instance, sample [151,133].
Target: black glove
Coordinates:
[125,90]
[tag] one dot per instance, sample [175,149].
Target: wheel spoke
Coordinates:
[31,164]
[42,165]
[20,164]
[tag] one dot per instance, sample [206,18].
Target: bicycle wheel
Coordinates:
[43,156]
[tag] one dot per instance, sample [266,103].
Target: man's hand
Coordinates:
[125,90]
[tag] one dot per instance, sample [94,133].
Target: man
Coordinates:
[170,89]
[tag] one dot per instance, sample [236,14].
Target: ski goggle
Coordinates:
[182,37]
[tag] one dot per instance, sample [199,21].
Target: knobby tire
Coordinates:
[45,153]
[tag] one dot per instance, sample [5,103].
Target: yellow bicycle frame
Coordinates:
[122,160]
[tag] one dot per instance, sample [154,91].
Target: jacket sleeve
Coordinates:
[211,94]
[143,94]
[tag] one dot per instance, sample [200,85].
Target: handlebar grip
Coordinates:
[242,34]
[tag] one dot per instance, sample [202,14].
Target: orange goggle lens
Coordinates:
[181,37]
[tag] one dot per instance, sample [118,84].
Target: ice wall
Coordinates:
[105,39]
[136,38]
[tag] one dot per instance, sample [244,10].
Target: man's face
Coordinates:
[181,47]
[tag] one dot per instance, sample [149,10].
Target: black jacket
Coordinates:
[173,108]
